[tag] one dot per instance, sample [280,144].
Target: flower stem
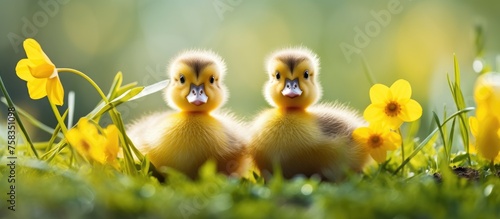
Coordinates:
[493,168]
[63,127]
[402,151]
[83,75]
[58,118]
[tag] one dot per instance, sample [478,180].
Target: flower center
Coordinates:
[85,145]
[375,141]
[392,109]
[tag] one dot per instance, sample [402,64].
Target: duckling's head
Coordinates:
[196,82]
[293,78]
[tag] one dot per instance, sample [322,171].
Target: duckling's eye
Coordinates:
[212,80]
[278,76]
[182,79]
[306,74]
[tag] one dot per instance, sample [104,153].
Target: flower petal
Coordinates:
[401,91]
[111,133]
[474,125]
[379,155]
[393,122]
[76,141]
[34,51]
[374,113]
[41,69]
[55,91]
[23,70]
[40,65]
[97,151]
[379,94]
[487,142]
[411,111]
[361,134]
[393,141]
[37,88]
[87,129]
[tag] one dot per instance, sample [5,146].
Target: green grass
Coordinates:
[45,191]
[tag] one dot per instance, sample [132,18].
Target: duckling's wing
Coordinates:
[335,119]
[145,131]
[234,127]
[238,136]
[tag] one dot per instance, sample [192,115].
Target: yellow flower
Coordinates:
[378,139]
[392,106]
[40,74]
[86,139]
[486,130]
[487,95]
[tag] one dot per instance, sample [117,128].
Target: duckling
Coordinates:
[194,133]
[297,134]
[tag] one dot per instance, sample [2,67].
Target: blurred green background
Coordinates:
[414,40]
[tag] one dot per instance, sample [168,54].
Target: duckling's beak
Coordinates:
[197,95]
[292,88]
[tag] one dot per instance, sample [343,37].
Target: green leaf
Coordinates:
[115,85]
[102,107]
[457,71]
[460,157]
[450,84]
[151,89]
[208,169]
[124,88]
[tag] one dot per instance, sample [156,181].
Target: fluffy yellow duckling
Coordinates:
[194,133]
[303,138]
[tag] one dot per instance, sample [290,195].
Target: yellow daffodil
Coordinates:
[487,134]
[487,95]
[86,139]
[40,74]
[378,139]
[392,106]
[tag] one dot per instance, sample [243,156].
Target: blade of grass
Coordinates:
[441,134]
[460,103]
[452,134]
[18,118]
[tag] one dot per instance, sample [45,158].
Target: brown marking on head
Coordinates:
[197,64]
[291,60]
